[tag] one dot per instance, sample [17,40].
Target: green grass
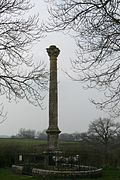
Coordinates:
[23,144]
[21,141]
[8,148]
[7,174]
[108,174]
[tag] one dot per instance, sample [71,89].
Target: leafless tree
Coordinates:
[19,76]
[95,25]
[104,130]
[26,133]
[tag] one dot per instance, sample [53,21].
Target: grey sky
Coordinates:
[75,110]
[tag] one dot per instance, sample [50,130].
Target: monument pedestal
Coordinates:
[53,135]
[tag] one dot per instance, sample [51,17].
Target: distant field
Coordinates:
[19,141]
[40,145]
[26,143]
[109,174]
[34,144]
[23,144]
[9,148]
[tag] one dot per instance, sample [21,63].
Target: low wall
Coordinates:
[89,173]
[60,173]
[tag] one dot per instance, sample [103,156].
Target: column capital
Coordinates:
[53,51]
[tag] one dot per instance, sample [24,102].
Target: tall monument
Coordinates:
[53,130]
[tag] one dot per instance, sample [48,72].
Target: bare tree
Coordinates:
[26,133]
[19,76]
[104,130]
[95,25]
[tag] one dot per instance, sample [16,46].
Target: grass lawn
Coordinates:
[7,174]
[108,174]
[21,141]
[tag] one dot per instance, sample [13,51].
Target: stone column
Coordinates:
[53,130]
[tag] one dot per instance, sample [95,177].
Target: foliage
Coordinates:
[95,25]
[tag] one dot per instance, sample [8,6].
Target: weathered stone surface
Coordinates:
[67,173]
[53,52]
[53,130]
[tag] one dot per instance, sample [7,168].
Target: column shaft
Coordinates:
[53,130]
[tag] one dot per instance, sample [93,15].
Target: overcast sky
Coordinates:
[75,110]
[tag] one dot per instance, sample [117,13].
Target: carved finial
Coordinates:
[53,51]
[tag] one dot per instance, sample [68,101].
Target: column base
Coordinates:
[53,135]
